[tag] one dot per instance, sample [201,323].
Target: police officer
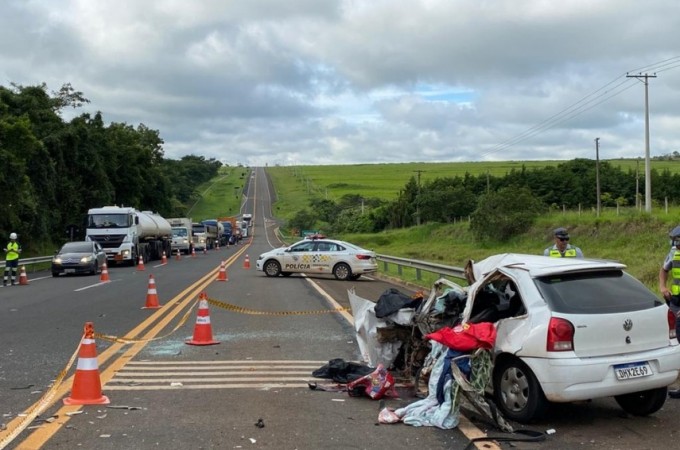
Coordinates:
[12,251]
[672,264]
[561,248]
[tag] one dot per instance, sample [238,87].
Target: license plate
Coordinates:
[632,370]
[69,270]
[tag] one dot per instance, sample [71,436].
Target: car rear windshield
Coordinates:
[602,292]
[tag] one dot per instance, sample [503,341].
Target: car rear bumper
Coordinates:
[576,379]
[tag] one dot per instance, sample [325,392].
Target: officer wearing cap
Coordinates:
[672,264]
[562,248]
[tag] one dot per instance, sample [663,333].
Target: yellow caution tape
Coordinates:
[39,406]
[242,310]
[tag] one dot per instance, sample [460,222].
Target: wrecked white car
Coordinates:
[567,330]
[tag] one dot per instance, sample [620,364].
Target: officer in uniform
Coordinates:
[12,251]
[672,296]
[562,248]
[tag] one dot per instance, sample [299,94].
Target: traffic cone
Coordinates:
[104,277]
[222,274]
[205,250]
[246,263]
[164,259]
[151,295]
[203,329]
[193,252]
[179,255]
[87,387]
[23,279]
[140,265]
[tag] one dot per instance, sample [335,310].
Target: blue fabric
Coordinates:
[462,363]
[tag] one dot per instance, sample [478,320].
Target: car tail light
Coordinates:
[560,335]
[671,325]
[363,256]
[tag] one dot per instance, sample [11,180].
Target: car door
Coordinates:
[298,258]
[323,257]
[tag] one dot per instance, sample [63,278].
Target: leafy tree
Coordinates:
[505,213]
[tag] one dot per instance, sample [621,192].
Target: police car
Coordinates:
[341,259]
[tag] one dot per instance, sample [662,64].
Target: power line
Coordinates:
[585,104]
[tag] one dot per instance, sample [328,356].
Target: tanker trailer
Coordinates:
[125,234]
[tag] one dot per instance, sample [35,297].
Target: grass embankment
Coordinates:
[221,196]
[635,238]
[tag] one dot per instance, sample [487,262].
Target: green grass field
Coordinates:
[221,196]
[627,235]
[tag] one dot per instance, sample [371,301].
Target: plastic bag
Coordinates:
[374,385]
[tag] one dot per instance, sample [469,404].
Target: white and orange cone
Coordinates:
[222,274]
[151,295]
[246,263]
[164,259]
[193,252]
[87,387]
[104,276]
[203,329]
[140,265]
[23,279]
[179,255]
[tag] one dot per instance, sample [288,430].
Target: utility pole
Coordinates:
[597,173]
[418,198]
[648,170]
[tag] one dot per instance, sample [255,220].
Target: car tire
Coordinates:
[342,272]
[517,392]
[95,269]
[643,403]
[272,268]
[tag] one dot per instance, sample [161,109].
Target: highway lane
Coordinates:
[195,396]
[212,396]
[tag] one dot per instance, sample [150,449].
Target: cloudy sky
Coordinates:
[347,81]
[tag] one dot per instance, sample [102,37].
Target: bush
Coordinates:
[505,213]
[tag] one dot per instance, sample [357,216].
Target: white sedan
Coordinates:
[341,259]
[567,330]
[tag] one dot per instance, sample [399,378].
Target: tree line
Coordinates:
[53,170]
[498,206]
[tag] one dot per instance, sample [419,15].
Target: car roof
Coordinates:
[538,265]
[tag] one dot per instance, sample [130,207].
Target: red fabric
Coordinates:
[466,337]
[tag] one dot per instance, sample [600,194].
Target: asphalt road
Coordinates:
[165,393]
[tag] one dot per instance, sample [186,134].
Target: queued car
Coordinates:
[568,330]
[78,257]
[341,259]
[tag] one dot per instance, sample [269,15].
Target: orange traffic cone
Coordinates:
[151,295]
[87,387]
[140,265]
[179,255]
[205,250]
[193,252]
[246,263]
[164,259]
[203,329]
[222,274]
[23,279]
[104,277]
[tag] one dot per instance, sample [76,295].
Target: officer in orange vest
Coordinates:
[562,248]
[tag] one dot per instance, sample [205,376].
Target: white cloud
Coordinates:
[310,82]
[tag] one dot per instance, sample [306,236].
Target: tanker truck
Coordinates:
[125,234]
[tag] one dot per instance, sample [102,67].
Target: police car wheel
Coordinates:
[342,272]
[272,268]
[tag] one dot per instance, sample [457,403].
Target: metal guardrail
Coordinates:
[29,261]
[439,269]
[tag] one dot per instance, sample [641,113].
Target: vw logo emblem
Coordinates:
[628,325]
